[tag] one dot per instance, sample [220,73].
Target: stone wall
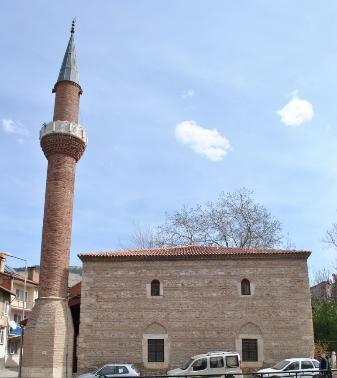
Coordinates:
[201,309]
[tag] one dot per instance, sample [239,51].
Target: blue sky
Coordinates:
[146,67]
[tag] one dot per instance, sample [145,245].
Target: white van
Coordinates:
[223,363]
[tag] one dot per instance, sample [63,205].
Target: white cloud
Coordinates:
[296,111]
[189,93]
[15,128]
[207,142]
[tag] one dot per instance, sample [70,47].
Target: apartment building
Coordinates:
[26,291]
[17,296]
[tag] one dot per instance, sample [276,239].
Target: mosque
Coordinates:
[154,308]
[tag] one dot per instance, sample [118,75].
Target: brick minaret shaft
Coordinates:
[62,152]
[48,341]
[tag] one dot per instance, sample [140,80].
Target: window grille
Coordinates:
[245,287]
[249,350]
[155,350]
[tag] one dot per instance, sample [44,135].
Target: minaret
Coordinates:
[48,341]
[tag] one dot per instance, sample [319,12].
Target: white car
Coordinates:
[113,370]
[290,365]
[228,363]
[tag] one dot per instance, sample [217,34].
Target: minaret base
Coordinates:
[48,340]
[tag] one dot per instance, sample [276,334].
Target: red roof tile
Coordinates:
[191,251]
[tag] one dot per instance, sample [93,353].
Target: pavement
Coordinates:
[8,373]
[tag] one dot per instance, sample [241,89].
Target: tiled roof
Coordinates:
[19,277]
[191,251]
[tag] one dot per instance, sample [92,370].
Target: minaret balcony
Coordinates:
[64,127]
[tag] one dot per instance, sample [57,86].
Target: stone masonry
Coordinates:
[48,341]
[200,308]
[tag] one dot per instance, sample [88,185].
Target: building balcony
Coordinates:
[17,304]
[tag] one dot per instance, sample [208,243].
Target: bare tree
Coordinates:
[184,227]
[331,236]
[323,288]
[144,237]
[234,220]
[322,275]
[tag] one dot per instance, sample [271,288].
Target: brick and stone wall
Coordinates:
[201,309]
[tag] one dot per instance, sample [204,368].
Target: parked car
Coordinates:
[228,363]
[113,370]
[288,365]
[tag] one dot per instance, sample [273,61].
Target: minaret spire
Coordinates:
[69,71]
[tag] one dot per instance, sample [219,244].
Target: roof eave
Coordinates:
[116,257]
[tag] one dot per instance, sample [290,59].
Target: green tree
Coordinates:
[325,323]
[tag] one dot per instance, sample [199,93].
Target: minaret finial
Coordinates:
[68,71]
[72,30]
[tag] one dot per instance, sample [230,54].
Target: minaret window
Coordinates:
[245,287]
[155,288]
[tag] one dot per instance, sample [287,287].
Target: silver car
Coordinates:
[303,366]
[113,370]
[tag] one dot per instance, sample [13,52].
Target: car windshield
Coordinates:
[187,364]
[281,365]
[106,370]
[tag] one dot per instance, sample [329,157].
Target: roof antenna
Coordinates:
[72,30]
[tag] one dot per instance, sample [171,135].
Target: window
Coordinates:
[307,365]
[245,287]
[216,362]
[316,364]
[6,308]
[121,370]
[155,288]
[106,370]
[232,361]
[1,336]
[21,295]
[17,318]
[200,364]
[293,366]
[155,351]
[249,350]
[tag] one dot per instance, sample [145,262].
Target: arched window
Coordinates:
[155,288]
[245,287]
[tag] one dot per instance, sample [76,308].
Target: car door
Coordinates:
[106,371]
[308,365]
[216,365]
[291,367]
[199,367]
